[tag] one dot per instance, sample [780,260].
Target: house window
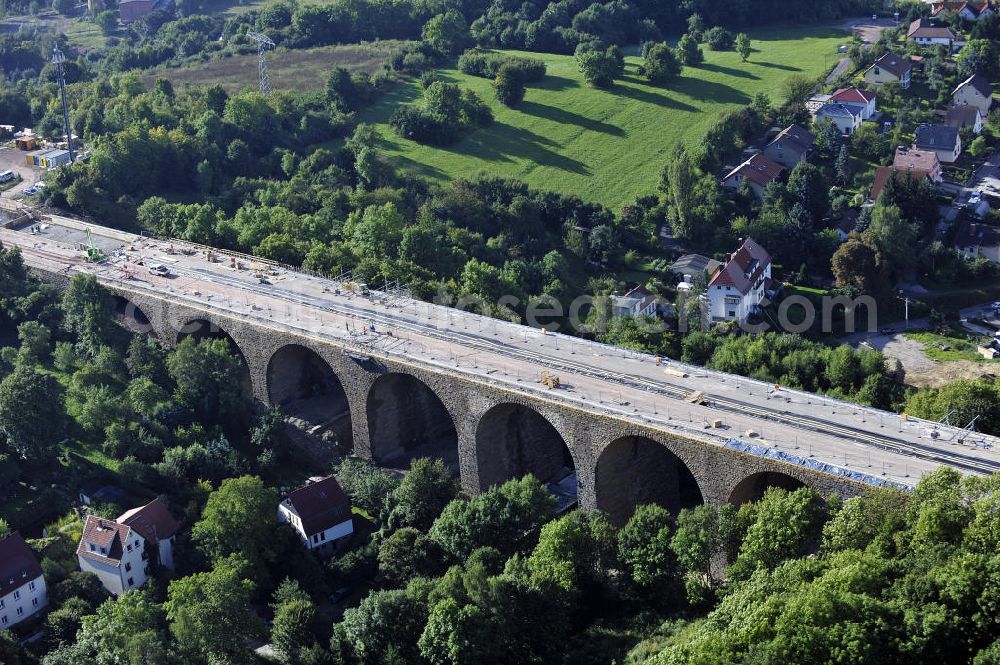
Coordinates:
[2,603]
[323,536]
[877,71]
[93,547]
[31,586]
[128,567]
[315,538]
[20,611]
[3,620]
[145,570]
[129,548]
[17,595]
[34,602]
[130,582]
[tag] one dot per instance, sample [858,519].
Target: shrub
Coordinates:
[719,39]
[487,64]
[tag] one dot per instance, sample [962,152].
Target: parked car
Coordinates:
[159,269]
[31,191]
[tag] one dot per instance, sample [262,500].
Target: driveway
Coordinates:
[866,28]
[13,160]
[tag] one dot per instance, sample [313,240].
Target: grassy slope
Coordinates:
[300,69]
[607,145]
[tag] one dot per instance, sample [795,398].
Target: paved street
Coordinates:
[687,400]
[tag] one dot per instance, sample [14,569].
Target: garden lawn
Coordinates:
[607,146]
[959,345]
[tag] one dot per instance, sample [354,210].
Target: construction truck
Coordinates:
[550,381]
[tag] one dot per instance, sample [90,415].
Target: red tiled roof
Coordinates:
[320,505]
[152,521]
[18,564]
[758,169]
[105,533]
[743,268]
[852,94]
[976,8]
[916,160]
[883,173]
[920,29]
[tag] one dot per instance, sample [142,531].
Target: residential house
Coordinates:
[96,490]
[115,553]
[157,526]
[883,173]
[974,91]
[965,117]
[738,286]
[791,146]
[758,171]
[942,139]
[814,103]
[856,97]
[890,67]
[22,585]
[636,302]
[918,161]
[846,118]
[973,240]
[689,265]
[320,513]
[924,33]
[970,11]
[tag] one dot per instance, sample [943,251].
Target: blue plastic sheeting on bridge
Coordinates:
[764,451]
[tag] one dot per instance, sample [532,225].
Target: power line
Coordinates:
[263,42]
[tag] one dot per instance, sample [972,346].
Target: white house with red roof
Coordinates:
[119,551]
[155,523]
[320,513]
[22,585]
[856,97]
[970,11]
[636,302]
[738,286]
[113,552]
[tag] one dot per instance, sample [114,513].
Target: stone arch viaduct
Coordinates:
[390,410]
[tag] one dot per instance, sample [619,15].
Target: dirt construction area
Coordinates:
[13,160]
[921,370]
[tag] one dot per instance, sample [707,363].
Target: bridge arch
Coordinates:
[513,440]
[200,328]
[131,317]
[634,470]
[752,487]
[309,392]
[406,419]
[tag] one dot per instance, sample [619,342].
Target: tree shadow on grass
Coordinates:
[554,83]
[505,143]
[774,65]
[709,91]
[565,117]
[644,94]
[728,71]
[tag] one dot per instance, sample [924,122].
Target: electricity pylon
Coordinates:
[263,42]
[58,59]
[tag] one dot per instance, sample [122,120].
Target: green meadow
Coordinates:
[605,145]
